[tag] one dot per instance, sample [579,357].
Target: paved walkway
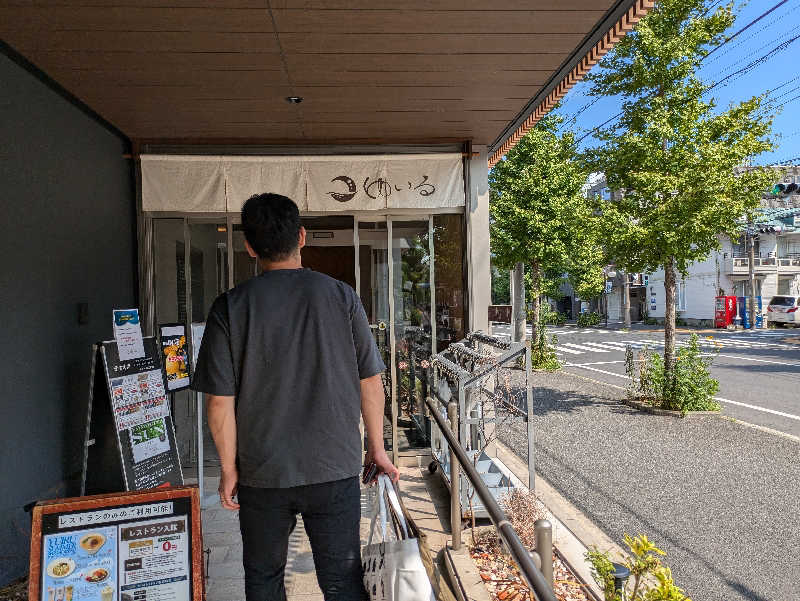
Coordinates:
[225,577]
[720,497]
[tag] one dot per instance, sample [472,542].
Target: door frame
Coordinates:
[391,216]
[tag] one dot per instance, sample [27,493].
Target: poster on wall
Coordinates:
[128,333]
[175,356]
[142,419]
[140,546]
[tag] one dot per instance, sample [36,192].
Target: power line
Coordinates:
[754,34]
[782,104]
[785,38]
[740,72]
[762,59]
[746,27]
[574,117]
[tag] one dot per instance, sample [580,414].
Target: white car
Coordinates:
[783,309]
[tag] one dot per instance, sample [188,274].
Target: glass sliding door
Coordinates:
[409,273]
[208,277]
[373,287]
[449,276]
[412,325]
[244,266]
[169,251]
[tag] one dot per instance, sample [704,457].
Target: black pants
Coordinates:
[331,513]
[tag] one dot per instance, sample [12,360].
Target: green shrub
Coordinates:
[692,388]
[644,562]
[588,319]
[543,350]
[550,317]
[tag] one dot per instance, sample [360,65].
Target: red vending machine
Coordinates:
[724,311]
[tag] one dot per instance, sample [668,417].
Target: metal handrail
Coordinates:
[533,576]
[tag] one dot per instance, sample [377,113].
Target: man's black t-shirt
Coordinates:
[292,346]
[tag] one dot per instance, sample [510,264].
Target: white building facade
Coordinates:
[776,269]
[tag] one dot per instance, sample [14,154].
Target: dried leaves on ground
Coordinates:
[504,582]
[498,570]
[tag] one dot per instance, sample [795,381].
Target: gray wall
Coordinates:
[67,209]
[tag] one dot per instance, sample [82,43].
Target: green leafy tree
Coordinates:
[674,157]
[501,288]
[539,216]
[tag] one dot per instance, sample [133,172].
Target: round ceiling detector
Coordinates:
[294,99]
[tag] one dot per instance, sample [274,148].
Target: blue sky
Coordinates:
[781,25]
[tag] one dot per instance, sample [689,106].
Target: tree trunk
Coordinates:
[536,297]
[626,299]
[669,323]
[518,303]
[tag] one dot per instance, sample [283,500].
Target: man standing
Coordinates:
[287,361]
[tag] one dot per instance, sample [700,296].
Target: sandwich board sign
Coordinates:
[130,438]
[118,547]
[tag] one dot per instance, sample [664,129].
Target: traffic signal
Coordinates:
[778,189]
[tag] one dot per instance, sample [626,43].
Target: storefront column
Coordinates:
[478,272]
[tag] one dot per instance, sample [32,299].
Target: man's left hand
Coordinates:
[385,465]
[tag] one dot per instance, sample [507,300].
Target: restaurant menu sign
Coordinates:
[142,419]
[175,355]
[141,546]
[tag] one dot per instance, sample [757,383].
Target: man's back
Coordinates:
[287,361]
[298,344]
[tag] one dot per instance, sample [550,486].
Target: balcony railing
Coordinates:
[788,263]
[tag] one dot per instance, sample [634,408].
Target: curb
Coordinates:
[573,532]
[657,411]
[464,575]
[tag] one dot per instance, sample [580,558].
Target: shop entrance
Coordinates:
[409,274]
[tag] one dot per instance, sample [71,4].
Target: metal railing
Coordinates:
[742,264]
[535,579]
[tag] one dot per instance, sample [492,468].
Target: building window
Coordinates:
[681,296]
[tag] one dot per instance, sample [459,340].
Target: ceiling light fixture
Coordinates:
[294,99]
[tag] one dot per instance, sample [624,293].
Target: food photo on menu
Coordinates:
[80,565]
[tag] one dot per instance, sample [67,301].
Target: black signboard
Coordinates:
[118,547]
[129,409]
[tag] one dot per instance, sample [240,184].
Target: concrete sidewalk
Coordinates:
[225,577]
[719,497]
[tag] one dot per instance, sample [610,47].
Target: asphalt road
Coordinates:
[759,372]
[718,495]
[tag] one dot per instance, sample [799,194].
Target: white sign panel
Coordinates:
[117,514]
[128,334]
[316,183]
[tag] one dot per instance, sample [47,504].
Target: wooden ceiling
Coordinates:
[368,71]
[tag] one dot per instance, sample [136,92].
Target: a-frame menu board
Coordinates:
[130,439]
[118,547]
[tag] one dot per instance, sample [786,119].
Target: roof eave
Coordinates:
[616,23]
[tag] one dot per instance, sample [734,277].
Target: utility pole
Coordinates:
[626,299]
[518,303]
[750,268]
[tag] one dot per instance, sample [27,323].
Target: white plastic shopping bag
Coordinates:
[393,569]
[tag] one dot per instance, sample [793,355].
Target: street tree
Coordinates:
[674,156]
[539,215]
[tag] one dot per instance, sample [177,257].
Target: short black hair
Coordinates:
[271,224]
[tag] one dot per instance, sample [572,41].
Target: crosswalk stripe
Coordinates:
[584,348]
[602,345]
[616,345]
[560,348]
